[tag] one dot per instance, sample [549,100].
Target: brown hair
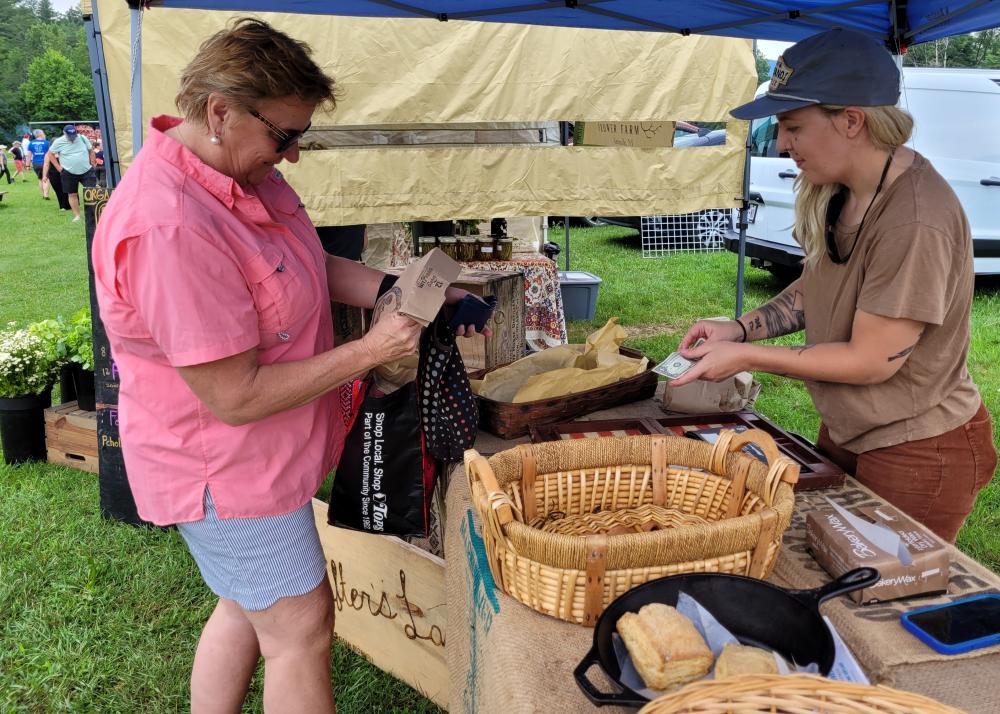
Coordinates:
[248,62]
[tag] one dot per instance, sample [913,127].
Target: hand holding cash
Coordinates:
[675,365]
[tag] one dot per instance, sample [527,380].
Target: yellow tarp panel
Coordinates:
[428,72]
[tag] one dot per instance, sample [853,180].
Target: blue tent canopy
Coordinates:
[899,22]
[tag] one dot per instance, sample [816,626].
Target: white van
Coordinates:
[956,114]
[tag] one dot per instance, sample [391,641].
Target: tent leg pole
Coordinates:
[135,22]
[566,225]
[744,208]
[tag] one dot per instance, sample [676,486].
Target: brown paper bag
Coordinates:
[704,397]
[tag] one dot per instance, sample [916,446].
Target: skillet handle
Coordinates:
[627,698]
[848,582]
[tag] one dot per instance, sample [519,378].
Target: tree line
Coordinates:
[44,66]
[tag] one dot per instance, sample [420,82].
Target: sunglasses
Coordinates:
[285,137]
[836,206]
[833,210]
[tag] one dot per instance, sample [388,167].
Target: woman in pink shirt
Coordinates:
[215,293]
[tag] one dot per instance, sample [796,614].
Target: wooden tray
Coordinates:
[593,429]
[509,421]
[816,470]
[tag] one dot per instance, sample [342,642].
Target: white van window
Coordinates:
[955,125]
[764,137]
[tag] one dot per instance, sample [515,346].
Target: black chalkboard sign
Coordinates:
[116,495]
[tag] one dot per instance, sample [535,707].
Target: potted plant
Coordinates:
[80,353]
[53,334]
[26,375]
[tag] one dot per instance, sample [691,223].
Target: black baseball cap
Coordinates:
[844,67]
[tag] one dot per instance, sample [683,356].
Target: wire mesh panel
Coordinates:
[700,232]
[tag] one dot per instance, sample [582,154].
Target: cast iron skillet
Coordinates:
[756,612]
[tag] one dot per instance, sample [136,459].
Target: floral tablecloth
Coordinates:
[544,321]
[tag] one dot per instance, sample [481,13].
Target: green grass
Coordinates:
[96,616]
[99,617]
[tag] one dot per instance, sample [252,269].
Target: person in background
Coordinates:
[4,169]
[53,180]
[18,153]
[215,292]
[99,162]
[886,289]
[38,150]
[73,156]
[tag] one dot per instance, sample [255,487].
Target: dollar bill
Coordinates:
[675,365]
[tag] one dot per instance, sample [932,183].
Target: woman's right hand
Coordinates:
[392,337]
[712,331]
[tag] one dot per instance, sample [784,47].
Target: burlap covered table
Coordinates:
[503,656]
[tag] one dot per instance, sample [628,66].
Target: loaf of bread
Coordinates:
[743,659]
[666,649]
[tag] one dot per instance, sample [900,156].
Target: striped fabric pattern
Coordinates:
[257,561]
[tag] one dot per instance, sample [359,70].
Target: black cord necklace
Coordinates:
[836,206]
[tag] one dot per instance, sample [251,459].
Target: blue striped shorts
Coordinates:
[257,561]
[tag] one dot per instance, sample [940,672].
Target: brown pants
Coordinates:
[934,480]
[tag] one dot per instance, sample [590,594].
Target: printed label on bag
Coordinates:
[374,503]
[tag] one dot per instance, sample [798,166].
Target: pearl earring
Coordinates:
[215,139]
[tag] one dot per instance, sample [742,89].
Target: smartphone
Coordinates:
[959,626]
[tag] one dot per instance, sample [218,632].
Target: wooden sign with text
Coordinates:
[389,604]
[116,495]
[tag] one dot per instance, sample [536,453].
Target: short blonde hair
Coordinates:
[249,62]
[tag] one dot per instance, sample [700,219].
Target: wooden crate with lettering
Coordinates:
[390,604]
[507,343]
[71,436]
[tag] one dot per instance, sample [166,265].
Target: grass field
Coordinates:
[99,617]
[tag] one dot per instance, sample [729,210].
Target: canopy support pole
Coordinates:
[744,209]
[135,22]
[95,48]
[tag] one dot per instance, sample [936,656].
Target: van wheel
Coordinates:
[785,273]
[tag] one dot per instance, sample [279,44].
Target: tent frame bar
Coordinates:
[969,7]
[102,92]
[135,23]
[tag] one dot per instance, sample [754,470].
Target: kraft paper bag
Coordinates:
[704,397]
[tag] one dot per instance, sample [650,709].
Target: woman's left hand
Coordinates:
[453,296]
[716,361]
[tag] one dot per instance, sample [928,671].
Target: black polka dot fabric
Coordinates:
[448,411]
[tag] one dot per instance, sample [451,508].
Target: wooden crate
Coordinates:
[507,343]
[71,436]
[390,604]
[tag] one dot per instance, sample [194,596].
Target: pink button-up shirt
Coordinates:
[191,268]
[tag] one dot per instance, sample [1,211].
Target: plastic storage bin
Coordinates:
[579,294]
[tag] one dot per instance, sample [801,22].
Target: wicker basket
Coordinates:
[791,694]
[566,524]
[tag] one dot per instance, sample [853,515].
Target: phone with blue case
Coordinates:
[959,626]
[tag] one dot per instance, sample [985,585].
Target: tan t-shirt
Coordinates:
[914,260]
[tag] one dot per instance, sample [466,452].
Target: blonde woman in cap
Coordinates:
[885,293]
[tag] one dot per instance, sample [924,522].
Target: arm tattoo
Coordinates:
[784,315]
[903,353]
[801,348]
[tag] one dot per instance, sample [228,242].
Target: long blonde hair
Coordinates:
[889,127]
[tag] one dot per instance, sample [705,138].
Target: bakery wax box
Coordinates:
[909,558]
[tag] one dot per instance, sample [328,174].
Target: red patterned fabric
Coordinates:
[544,321]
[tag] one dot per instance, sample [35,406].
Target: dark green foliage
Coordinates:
[979,49]
[30,30]
[763,68]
